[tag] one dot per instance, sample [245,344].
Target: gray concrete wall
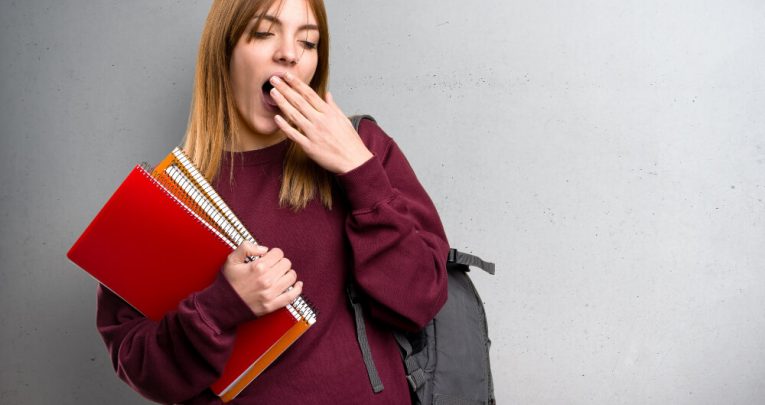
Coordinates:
[608,155]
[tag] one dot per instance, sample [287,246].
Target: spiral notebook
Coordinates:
[163,235]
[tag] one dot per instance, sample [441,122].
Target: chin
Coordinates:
[264,126]
[260,125]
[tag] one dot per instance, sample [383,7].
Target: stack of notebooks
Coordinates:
[164,234]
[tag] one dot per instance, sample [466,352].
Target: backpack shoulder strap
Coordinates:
[361,337]
[415,375]
[356,120]
[353,297]
[455,256]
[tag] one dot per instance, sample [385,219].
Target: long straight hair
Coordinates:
[212,127]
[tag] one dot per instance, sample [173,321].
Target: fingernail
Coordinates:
[275,79]
[275,92]
[288,76]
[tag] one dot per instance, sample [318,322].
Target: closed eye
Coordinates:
[308,44]
[262,34]
[265,34]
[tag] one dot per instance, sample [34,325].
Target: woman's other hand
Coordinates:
[264,282]
[322,129]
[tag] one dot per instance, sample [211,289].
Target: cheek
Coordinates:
[246,61]
[307,70]
[242,75]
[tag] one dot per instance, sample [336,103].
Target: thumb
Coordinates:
[248,251]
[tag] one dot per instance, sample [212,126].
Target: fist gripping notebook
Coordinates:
[165,234]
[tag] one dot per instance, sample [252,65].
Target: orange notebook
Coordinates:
[174,233]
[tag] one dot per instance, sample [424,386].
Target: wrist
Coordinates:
[366,185]
[356,163]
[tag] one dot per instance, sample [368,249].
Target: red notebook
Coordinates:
[153,250]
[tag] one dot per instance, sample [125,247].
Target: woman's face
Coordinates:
[284,41]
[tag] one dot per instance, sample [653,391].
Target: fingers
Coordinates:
[264,284]
[291,132]
[298,117]
[264,263]
[288,297]
[277,271]
[280,293]
[303,89]
[297,96]
[276,292]
[285,281]
[246,250]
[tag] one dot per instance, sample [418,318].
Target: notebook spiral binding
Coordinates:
[186,177]
[212,211]
[305,309]
[197,176]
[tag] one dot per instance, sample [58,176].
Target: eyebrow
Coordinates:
[276,20]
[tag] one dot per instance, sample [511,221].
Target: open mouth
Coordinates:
[267,99]
[267,86]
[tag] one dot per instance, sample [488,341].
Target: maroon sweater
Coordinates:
[383,231]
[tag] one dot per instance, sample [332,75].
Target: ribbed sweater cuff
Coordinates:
[220,306]
[366,185]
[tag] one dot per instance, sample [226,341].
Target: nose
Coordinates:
[286,52]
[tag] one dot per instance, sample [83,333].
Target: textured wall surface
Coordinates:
[608,155]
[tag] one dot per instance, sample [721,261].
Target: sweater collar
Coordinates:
[273,153]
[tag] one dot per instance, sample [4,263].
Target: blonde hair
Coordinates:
[212,127]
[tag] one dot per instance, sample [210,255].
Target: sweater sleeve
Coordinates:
[181,355]
[397,240]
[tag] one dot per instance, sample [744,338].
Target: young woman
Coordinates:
[333,206]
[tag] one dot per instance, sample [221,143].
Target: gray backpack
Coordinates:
[447,363]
